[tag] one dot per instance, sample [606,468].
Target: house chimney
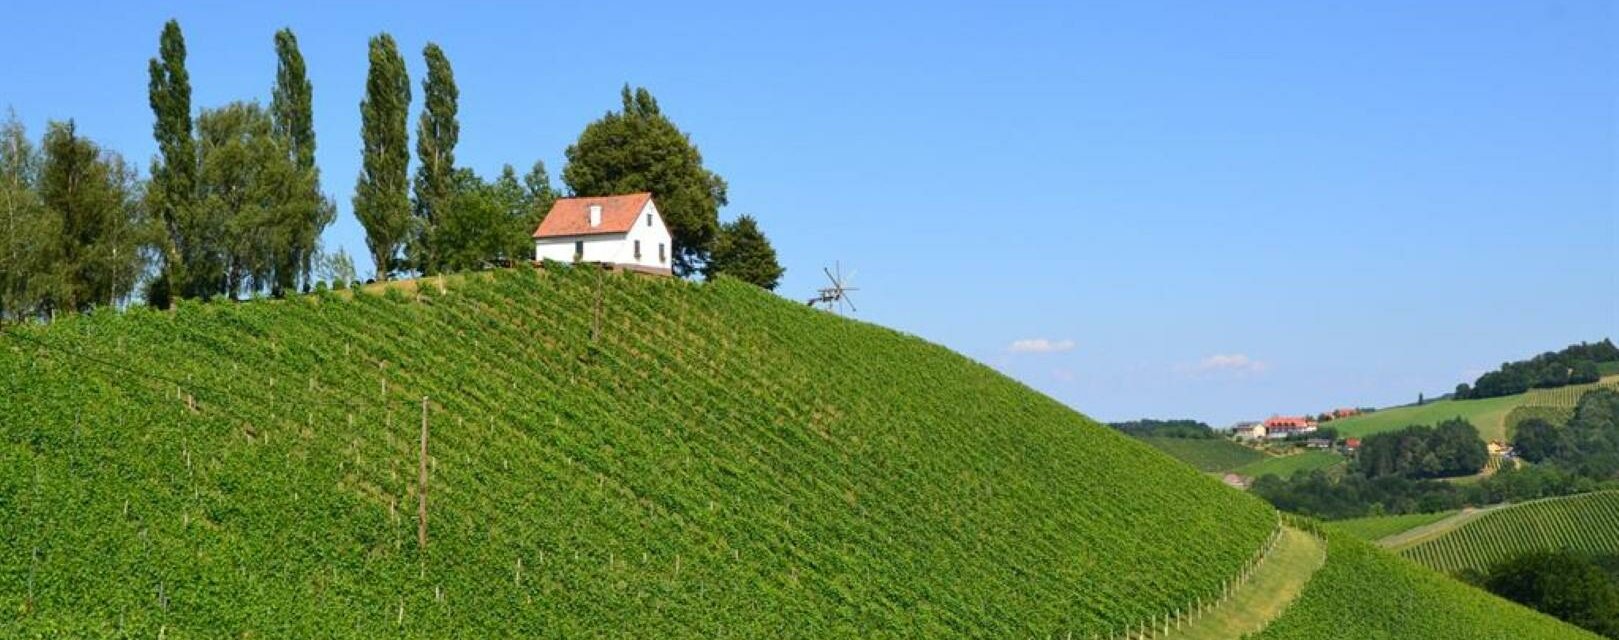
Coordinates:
[595,215]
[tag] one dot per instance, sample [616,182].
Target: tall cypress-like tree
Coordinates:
[382,192]
[640,149]
[437,131]
[293,114]
[172,194]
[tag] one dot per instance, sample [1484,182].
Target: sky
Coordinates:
[1219,211]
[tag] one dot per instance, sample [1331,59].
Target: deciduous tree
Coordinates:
[743,252]
[640,149]
[91,195]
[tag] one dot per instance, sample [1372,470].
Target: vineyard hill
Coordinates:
[610,455]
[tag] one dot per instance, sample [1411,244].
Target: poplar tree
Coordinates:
[172,194]
[291,107]
[437,132]
[381,194]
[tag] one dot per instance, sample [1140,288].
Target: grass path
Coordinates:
[1424,533]
[1276,581]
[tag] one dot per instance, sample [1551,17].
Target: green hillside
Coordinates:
[1207,454]
[1374,528]
[718,462]
[1288,465]
[1362,592]
[1489,415]
[1586,522]
[611,455]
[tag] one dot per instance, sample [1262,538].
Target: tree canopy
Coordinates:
[640,149]
[742,251]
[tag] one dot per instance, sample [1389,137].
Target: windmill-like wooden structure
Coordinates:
[835,296]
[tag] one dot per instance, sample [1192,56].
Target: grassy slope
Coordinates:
[1489,415]
[1362,593]
[1213,454]
[1290,464]
[1276,581]
[722,463]
[1374,528]
[1587,522]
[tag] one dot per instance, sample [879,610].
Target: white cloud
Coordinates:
[1041,345]
[1233,363]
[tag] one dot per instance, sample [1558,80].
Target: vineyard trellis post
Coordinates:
[421,485]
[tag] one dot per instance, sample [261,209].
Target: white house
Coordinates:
[624,230]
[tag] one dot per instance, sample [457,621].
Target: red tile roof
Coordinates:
[1288,422]
[571,216]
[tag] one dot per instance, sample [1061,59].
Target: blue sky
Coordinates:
[1214,210]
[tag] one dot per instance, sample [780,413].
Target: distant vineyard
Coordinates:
[1207,454]
[1588,522]
[1555,406]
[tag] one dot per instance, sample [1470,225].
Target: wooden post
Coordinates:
[421,485]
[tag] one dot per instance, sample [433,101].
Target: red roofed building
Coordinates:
[623,230]
[1278,427]
[1344,413]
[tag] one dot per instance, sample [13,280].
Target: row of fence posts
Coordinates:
[1157,626]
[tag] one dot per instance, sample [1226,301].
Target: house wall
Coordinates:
[617,248]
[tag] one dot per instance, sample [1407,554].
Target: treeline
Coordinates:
[1321,494]
[233,205]
[1452,448]
[1577,364]
[1147,428]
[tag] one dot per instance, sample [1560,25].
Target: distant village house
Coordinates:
[1248,431]
[623,231]
[1278,427]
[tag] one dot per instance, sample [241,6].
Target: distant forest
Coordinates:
[1191,429]
[1578,364]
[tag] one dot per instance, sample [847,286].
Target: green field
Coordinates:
[1275,582]
[1374,528]
[1363,592]
[715,462]
[1489,415]
[1207,454]
[1288,465]
[1587,522]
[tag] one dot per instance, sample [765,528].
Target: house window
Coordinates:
[660,253]
[649,219]
[637,249]
[579,250]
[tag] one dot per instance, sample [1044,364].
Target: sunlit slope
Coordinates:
[714,462]
[1363,592]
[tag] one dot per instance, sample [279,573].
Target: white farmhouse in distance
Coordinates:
[625,231]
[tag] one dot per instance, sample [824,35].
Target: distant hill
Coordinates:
[609,456]
[1489,415]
